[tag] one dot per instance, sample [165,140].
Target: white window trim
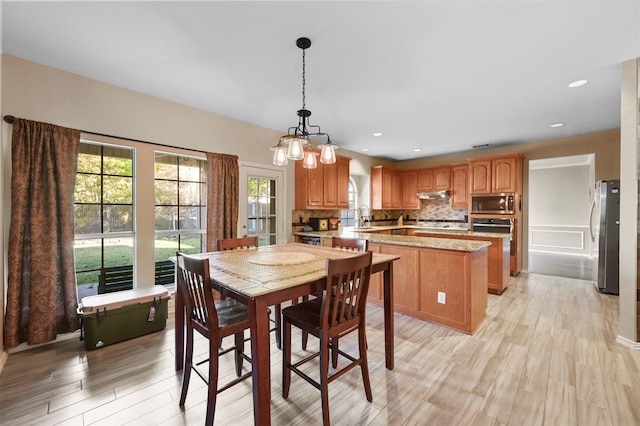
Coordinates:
[278,174]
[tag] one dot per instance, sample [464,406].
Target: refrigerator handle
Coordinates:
[593,206]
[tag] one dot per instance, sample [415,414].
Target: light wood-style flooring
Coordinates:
[561,265]
[545,355]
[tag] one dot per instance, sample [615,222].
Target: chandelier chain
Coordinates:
[303,80]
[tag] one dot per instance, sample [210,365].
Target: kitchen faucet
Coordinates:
[362,217]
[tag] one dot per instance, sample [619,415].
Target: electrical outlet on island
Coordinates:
[442,297]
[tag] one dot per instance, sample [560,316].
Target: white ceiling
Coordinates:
[435,75]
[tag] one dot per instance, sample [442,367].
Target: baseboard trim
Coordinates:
[628,343]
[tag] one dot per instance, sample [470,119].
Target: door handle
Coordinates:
[593,207]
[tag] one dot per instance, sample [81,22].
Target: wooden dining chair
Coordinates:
[353,244]
[246,243]
[214,319]
[339,311]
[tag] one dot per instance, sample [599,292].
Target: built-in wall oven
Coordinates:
[500,226]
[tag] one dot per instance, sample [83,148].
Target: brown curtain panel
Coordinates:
[41,293]
[223,195]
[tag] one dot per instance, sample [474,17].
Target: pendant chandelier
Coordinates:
[296,144]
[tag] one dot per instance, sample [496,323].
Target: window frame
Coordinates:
[144,200]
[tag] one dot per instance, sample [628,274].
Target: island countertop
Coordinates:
[370,234]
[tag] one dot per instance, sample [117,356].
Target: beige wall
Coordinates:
[630,120]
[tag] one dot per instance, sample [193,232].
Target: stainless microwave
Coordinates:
[493,204]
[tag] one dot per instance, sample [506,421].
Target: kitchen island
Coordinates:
[499,253]
[440,280]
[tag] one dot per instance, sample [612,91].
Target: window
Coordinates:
[261,209]
[348,217]
[117,239]
[180,209]
[103,210]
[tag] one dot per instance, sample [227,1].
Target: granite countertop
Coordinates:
[465,232]
[401,240]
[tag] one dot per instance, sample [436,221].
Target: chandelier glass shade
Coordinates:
[310,160]
[279,154]
[296,144]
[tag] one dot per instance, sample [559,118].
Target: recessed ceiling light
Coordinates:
[365,149]
[557,125]
[377,134]
[417,149]
[577,83]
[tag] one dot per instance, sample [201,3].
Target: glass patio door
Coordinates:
[261,205]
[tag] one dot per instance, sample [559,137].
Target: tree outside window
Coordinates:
[103,210]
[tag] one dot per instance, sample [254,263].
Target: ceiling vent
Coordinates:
[482,145]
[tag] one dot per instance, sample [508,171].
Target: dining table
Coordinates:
[264,276]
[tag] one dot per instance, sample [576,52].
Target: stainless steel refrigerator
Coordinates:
[605,235]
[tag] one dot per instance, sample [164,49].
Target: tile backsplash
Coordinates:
[430,210]
[439,209]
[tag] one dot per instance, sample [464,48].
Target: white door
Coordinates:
[262,201]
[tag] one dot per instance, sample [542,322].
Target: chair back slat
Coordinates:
[195,285]
[345,295]
[354,244]
[236,243]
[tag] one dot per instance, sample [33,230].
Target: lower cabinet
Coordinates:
[445,287]
[498,258]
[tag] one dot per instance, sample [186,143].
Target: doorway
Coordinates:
[560,196]
[261,206]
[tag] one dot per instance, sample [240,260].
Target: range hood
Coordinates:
[433,195]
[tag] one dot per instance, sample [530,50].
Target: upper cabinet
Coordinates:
[506,174]
[410,190]
[497,174]
[325,187]
[386,188]
[459,197]
[479,176]
[396,189]
[434,179]
[442,178]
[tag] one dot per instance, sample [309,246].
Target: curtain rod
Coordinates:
[11,119]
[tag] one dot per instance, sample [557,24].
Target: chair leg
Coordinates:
[239,342]
[324,379]
[305,335]
[188,360]
[278,321]
[364,366]
[213,382]
[286,358]
[334,352]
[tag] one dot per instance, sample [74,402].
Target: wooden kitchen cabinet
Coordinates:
[480,176]
[459,198]
[498,258]
[495,175]
[422,274]
[434,179]
[342,182]
[325,187]
[410,190]
[442,178]
[425,180]
[505,174]
[386,188]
